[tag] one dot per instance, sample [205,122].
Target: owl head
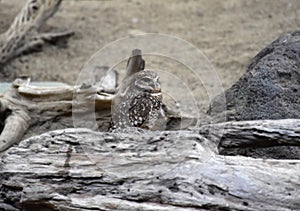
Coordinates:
[143,81]
[147,81]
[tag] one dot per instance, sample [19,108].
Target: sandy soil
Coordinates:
[228,32]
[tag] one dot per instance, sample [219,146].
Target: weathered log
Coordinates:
[25,34]
[78,169]
[256,133]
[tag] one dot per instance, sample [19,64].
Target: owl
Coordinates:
[138,103]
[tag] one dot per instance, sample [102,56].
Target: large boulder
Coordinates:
[270,88]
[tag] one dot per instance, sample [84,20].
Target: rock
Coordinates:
[270,88]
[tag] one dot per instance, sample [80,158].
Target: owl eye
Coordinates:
[146,80]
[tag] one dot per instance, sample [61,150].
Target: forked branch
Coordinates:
[25,33]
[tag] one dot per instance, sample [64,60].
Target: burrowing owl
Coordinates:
[138,103]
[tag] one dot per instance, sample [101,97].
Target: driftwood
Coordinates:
[24,105]
[25,34]
[78,169]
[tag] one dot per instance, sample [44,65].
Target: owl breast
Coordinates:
[143,111]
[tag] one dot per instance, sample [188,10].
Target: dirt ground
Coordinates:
[228,32]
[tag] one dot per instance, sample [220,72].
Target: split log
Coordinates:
[78,169]
[25,34]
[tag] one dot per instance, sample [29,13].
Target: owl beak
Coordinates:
[156,88]
[156,92]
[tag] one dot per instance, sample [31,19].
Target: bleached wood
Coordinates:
[79,169]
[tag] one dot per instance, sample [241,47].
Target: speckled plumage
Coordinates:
[138,103]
